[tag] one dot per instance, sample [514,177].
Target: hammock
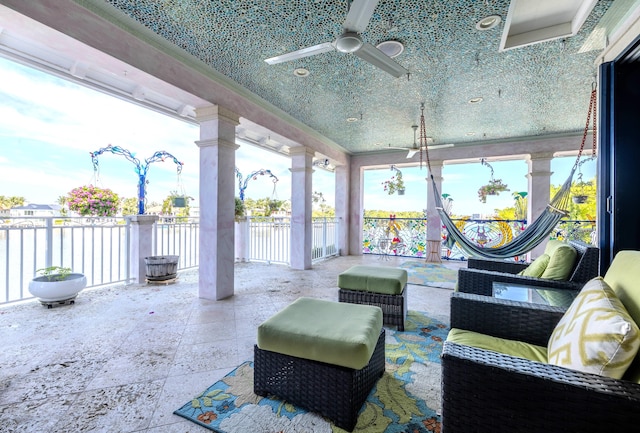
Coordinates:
[537,231]
[531,237]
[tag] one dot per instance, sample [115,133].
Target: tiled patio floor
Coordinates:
[122,359]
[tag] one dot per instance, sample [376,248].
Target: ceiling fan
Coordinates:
[415,149]
[350,42]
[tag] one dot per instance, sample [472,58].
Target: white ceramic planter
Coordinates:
[49,291]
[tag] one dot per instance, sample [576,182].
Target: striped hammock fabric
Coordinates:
[527,240]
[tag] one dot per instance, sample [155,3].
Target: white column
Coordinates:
[141,245]
[434,224]
[342,207]
[301,207]
[217,202]
[356,209]
[539,190]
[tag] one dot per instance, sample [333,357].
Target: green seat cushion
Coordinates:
[336,333]
[562,258]
[537,267]
[500,345]
[376,279]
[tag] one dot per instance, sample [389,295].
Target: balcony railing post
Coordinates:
[141,245]
[48,260]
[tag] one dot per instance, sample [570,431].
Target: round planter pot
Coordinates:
[579,199]
[401,192]
[49,291]
[161,268]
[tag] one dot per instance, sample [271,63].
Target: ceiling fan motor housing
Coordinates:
[348,42]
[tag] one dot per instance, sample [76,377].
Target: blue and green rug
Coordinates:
[405,399]
[431,274]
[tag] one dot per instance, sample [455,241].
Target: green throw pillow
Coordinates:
[596,334]
[562,257]
[536,267]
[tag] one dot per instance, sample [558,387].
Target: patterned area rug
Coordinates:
[404,399]
[431,274]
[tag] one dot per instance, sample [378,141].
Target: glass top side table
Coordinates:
[534,294]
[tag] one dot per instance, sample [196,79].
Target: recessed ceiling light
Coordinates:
[300,72]
[352,119]
[471,134]
[476,100]
[391,48]
[489,22]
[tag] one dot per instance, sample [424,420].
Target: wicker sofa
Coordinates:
[480,274]
[487,391]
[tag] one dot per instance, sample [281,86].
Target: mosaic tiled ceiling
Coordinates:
[531,91]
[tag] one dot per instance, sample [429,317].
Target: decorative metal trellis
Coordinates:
[141,169]
[243,182]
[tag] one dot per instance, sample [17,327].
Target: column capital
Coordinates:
[217,142]
[540,156]
[142,219]
[213,112]
[301,150]
[302,169]
[540,174]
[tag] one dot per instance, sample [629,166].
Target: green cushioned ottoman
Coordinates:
[321,355]
[380,286]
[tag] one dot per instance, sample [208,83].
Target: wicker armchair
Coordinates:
[480,274]
[485,391]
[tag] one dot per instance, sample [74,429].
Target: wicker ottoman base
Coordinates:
[394,307]
[335,392]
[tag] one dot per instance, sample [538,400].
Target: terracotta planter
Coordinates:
[161,268]
[50,291]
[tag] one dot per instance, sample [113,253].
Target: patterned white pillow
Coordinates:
[596,334]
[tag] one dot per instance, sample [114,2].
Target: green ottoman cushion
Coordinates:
[332,332]
[376,279]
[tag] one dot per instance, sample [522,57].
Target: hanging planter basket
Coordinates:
[401,191]
[179,202]
[579,199]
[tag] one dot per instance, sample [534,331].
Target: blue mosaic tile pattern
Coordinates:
[531,91]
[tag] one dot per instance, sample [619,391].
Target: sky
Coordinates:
[49,126]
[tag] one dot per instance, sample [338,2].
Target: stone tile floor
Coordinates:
[123,358]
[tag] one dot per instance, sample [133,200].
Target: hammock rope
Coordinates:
[536,232]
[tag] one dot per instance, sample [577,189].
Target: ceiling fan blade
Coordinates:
[440,146]
[304,52]
[377,58]
[359,15]
[412,152]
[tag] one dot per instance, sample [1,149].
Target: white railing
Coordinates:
[96,247]
[179,237]
[99,247]
[325,238]
[269,239]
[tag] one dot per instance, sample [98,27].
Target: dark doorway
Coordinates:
[619,155]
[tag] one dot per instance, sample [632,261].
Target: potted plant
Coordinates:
[239,209]
[56,285]
[89,200]
[494,187]
[394,184]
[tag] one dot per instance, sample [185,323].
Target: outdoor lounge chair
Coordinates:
[480,274]
[489,391]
